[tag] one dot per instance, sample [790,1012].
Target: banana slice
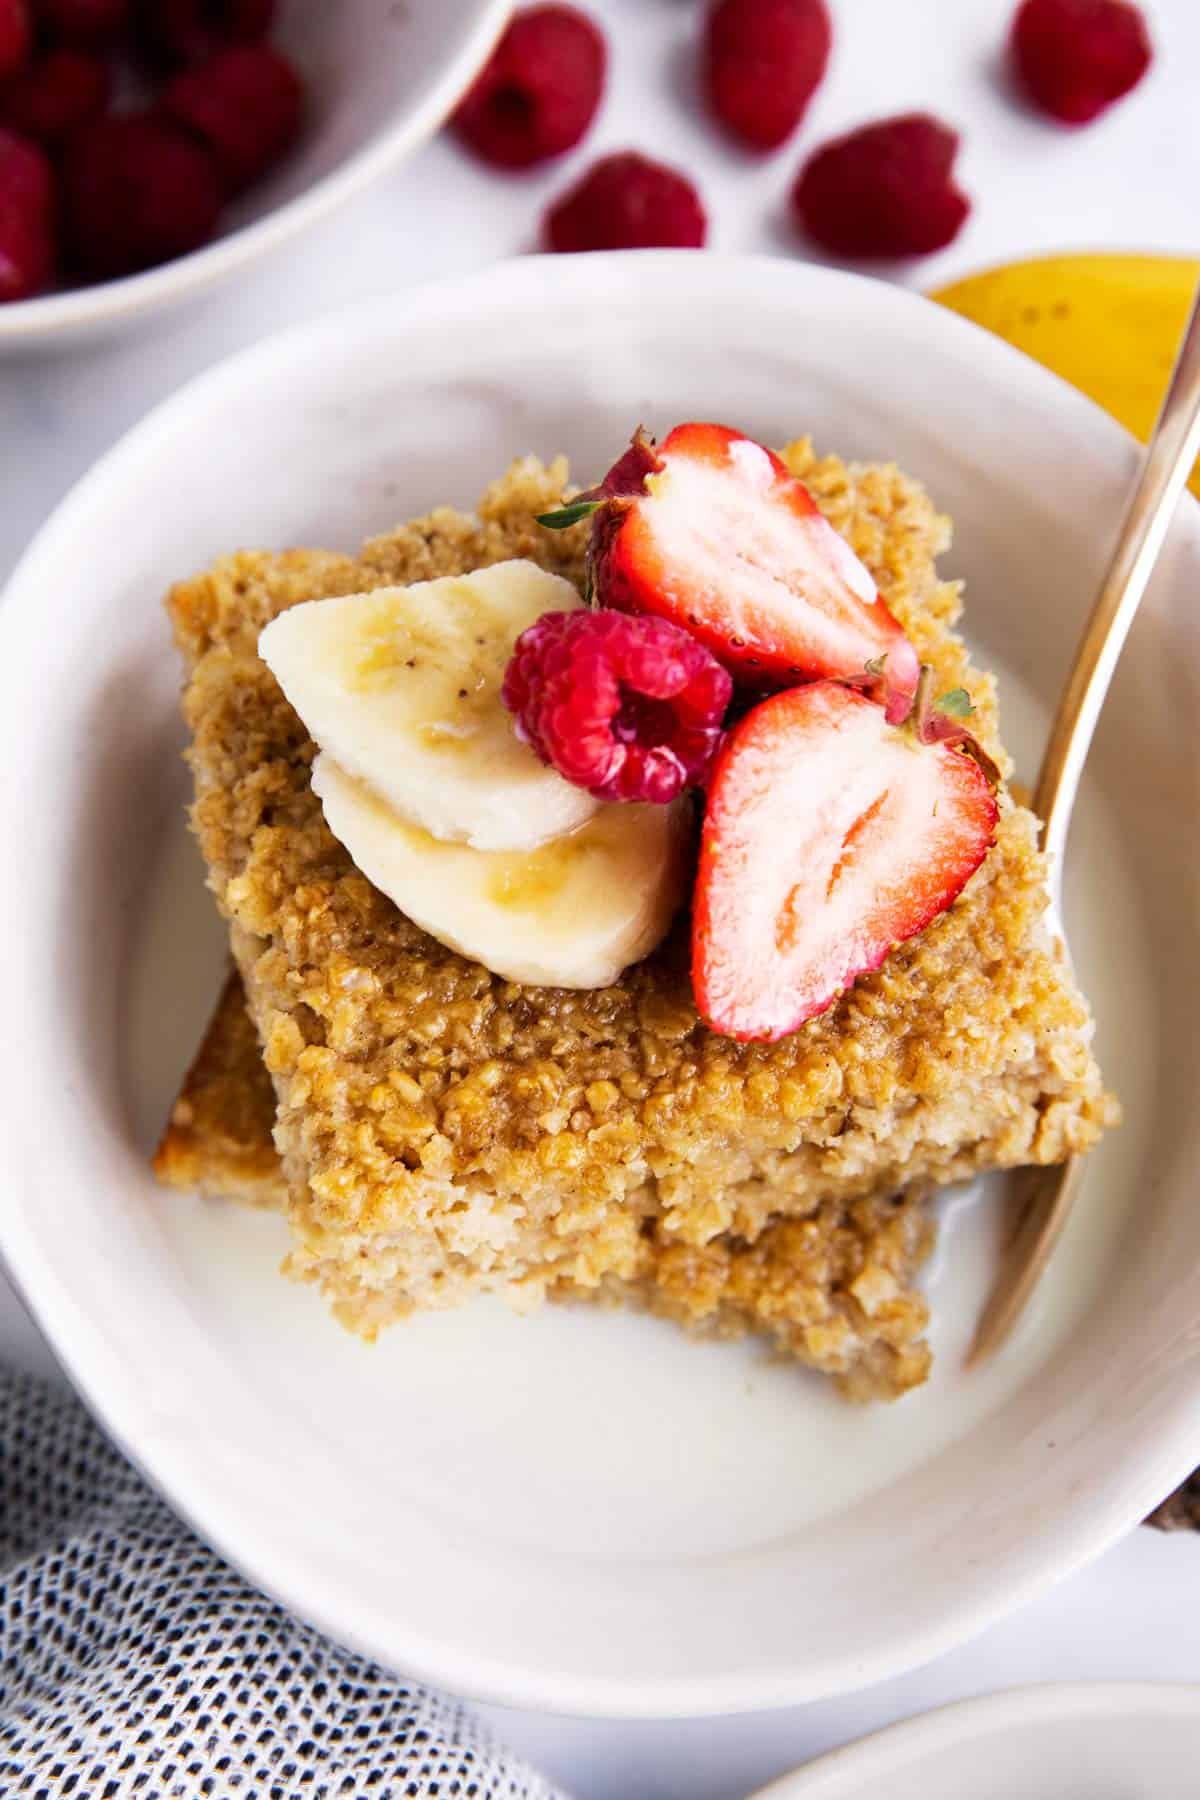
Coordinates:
[569,914]
[401,687]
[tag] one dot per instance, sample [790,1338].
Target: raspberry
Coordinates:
[26,219]
[245,105]
[84,24]
[884,190]
[539,92]
[627,202]
[1076,57]
[628,707]
[178,34]
[764,60]
[135,192]
[56,96]
[15,36]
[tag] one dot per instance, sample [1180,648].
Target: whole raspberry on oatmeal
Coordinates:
[629,708]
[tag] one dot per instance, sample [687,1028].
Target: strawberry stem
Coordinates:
[876,680]
[566,516]
[919,717]
[939,721]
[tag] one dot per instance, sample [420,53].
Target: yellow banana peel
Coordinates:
[1108,324]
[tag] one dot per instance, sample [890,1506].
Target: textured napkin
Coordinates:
[133,1662]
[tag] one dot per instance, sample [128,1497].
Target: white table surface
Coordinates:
[1129,182]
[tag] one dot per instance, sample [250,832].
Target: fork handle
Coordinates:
[1172,450]
[1050,1193]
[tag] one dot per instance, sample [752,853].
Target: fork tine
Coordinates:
[1049,1194]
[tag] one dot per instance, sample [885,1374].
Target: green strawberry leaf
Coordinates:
[957,703]
[569,515]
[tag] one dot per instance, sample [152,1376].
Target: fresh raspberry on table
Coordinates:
[84,24]
[54,97]
[16,37]
[764,60]
[539,91]
[246,105]
[135,191]
[885,190]
[1075,57]
[26,218]
[627,202]
[177,34]
[630,708]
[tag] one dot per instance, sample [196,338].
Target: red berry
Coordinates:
[246,105]
[884,190]
[26,219]
[764,60]
[630,709]
[627,202]
[177,34]
[56,96]
[829,837]
[84,24]
[136,191]
[539,92]
[1076,57]
[15,36]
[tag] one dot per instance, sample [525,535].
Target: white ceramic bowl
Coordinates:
[381,79]
[587,1510]
[1091,1741]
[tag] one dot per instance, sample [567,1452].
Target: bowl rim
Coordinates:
[887,1751]
[27,324]
[1096,1523]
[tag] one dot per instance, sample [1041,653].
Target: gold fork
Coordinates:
[1048,1194]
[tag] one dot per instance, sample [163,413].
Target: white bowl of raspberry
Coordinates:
[149,147]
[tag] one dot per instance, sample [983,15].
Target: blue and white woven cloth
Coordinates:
[134,1663]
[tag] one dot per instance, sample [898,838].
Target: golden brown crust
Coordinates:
[444,1130]
[218,1137]
[836,1289]
[819,1288]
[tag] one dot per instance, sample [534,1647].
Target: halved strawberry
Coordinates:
[710,531]
[829,837]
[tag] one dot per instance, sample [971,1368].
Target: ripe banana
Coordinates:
[1109,324]
[401,688]
[572,913]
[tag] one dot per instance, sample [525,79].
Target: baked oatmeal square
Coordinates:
[443,1131]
